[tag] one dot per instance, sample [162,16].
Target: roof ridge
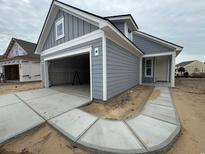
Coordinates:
[118,15]
[24,40]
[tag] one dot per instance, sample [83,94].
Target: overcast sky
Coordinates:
[179,21]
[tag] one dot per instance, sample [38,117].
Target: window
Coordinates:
[17,52]
[148,67]
[59,26]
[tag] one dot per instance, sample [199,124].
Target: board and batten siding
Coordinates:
[97,70]
[148,46]
[120,26]
[73,27]
[122,69]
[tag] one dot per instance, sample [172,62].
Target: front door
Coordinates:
[162,69]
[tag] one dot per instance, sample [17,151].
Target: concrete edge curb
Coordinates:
[22,133]
[161,148]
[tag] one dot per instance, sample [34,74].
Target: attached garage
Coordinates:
[70,74]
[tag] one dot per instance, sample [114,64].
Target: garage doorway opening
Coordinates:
[11,72]
[70,74]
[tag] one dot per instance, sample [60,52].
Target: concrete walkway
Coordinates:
[16,117]
[154,130]
[23,111]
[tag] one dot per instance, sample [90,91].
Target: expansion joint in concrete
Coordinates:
[158,119]
[29,107]
[84,132]
[136,136]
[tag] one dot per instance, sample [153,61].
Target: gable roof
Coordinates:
[148,46]
[182,64]
[101,20]
[29,47]
[127,17]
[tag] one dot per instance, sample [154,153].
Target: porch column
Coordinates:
[173,69]
[46,80]
[140,71]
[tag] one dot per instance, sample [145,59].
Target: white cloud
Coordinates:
[178,21]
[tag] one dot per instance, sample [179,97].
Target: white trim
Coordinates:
[155,68]
[45,29]
[145,72]
[104,53]
[57,23]
[67,54]
[46,78]
[80,17]
[126,29]
[173,70]
[158,54]
[140,71]
[91,75]
[125,38]
[82,14]
[160,41]
[168,70]
[85,38]
[138,55]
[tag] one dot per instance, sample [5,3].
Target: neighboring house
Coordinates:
[19,62]
[111,54]
[191,67]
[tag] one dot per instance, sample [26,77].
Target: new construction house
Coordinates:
[108,54]
[19,63]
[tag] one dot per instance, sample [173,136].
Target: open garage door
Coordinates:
[70,74]
[11,72]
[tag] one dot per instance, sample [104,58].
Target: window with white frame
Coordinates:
[59,26]
[148,67]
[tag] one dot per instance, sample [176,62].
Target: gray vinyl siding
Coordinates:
[97,74]
[147,79]
[120,26]
[148,46]
[122,69]
[73,27]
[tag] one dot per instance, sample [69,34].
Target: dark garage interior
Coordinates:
[70,73]
[11,72]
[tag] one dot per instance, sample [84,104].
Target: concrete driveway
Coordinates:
[23,111]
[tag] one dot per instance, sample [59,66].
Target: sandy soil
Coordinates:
[44,140]
[8,88]
[189,97]
[124,106]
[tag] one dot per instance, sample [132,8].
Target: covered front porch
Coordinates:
[158,69]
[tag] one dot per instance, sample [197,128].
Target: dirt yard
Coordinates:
[44,140]
[124,106]
[189,97]
[8,88]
